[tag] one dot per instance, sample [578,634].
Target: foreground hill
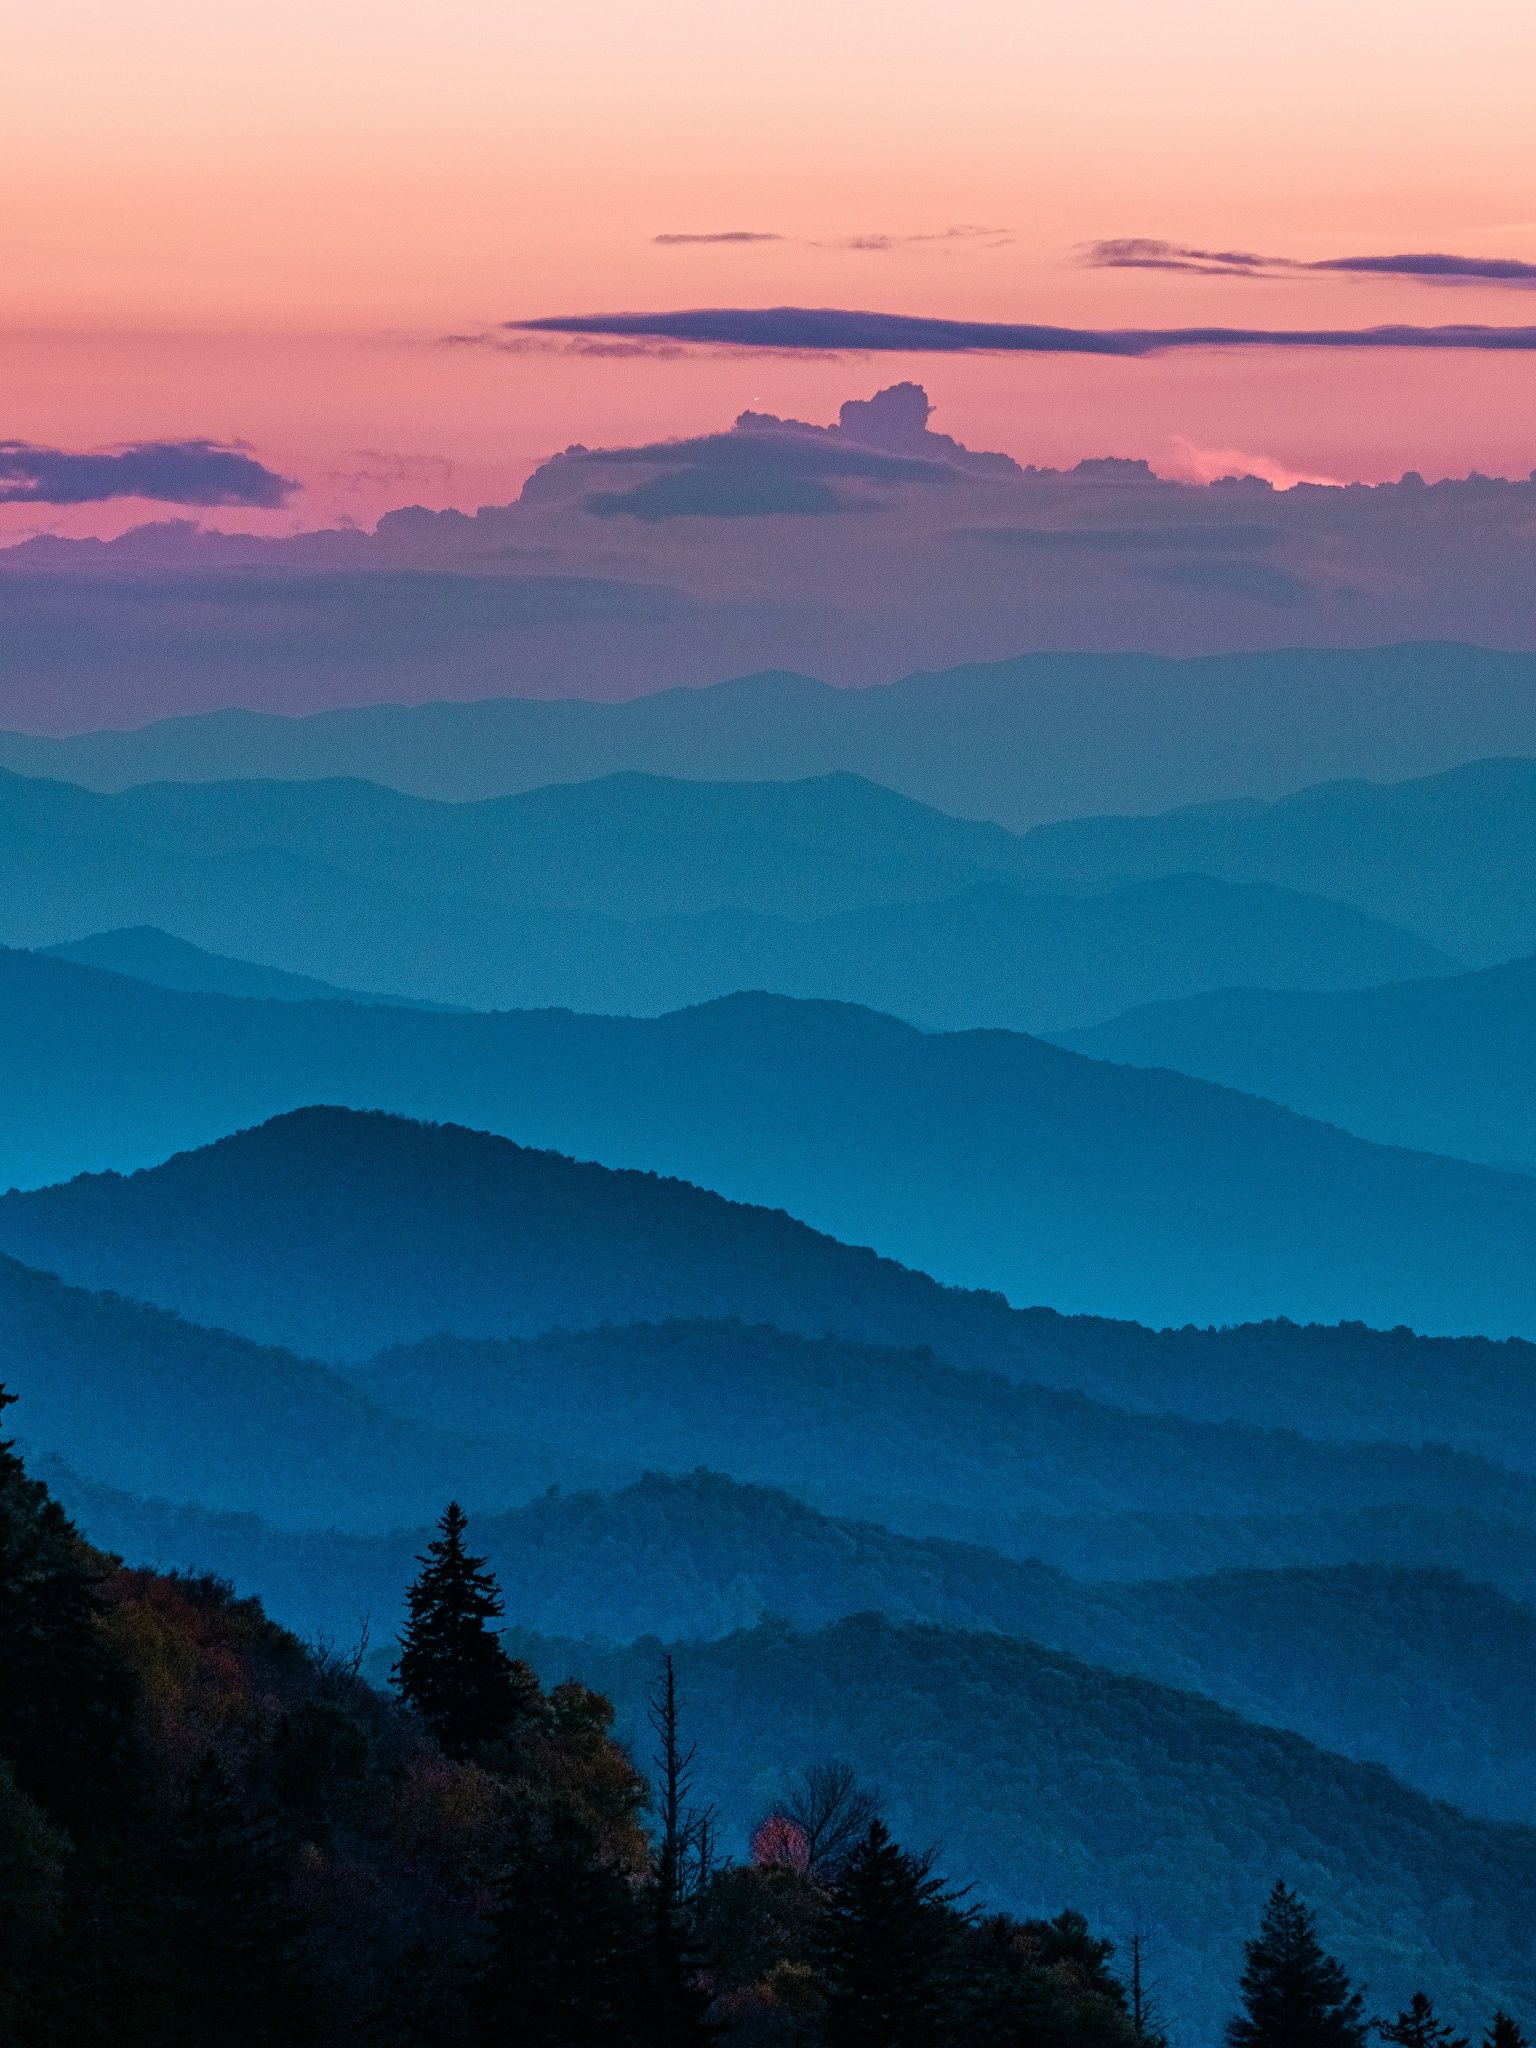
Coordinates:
[210,1818]
[1420,1671]
[1448,856]
[1449,1065]
[144,1401]
[1041,737]
[637,895]
[989,1159]
[1048,1778]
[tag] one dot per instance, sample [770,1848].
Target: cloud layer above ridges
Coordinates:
[1146,252]
[166,472]
[836,330]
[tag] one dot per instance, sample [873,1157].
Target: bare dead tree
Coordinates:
[832,1810]
[686,1851]
[339,1672]
[1146,2019]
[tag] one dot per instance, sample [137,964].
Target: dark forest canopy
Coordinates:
[210,1831]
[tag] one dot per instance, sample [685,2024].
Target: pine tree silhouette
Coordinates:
[569,1939]
[1504,2033]
[1418,2027]
[883,1949]
[1294,1994]
[452,1668]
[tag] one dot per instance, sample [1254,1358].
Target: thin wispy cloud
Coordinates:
[169,472]
[989,238]
[1144,252]
[871,243]
[838,331]
[720,235]
[514,340]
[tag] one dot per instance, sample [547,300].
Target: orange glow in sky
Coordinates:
[255,221]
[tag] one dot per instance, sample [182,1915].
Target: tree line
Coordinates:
[213,1833]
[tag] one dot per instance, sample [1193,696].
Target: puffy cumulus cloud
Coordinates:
[1145,252]
[170,472]
[856,549]
[766,466]
[838,331]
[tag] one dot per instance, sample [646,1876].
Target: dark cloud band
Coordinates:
[833,331]
[169,472]
[1142,252]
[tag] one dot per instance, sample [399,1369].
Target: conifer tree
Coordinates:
[884,1948]
[1419,2027]
[1504,2033]
[568,1962]
[65,1702]
[1294,1995]
[452,1668]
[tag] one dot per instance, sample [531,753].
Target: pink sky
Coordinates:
[254,222]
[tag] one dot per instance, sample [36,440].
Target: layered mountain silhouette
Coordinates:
[1487,1549]
[904,1434]
[1448,856]
[627,845]
[149,954]
[1419,1670]
[636,895]
[986,1158]
[144,1400]
[1448,1065]
[1026,741]
[693,1321]
[141,1398]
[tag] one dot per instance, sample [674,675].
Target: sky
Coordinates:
[302,227]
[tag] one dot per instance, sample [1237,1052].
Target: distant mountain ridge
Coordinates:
[1007,1163]
[1446,1065]
[1025,741]
[636,895]
[139,1398]
[338,1233]
[1447,856]
[146,953]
